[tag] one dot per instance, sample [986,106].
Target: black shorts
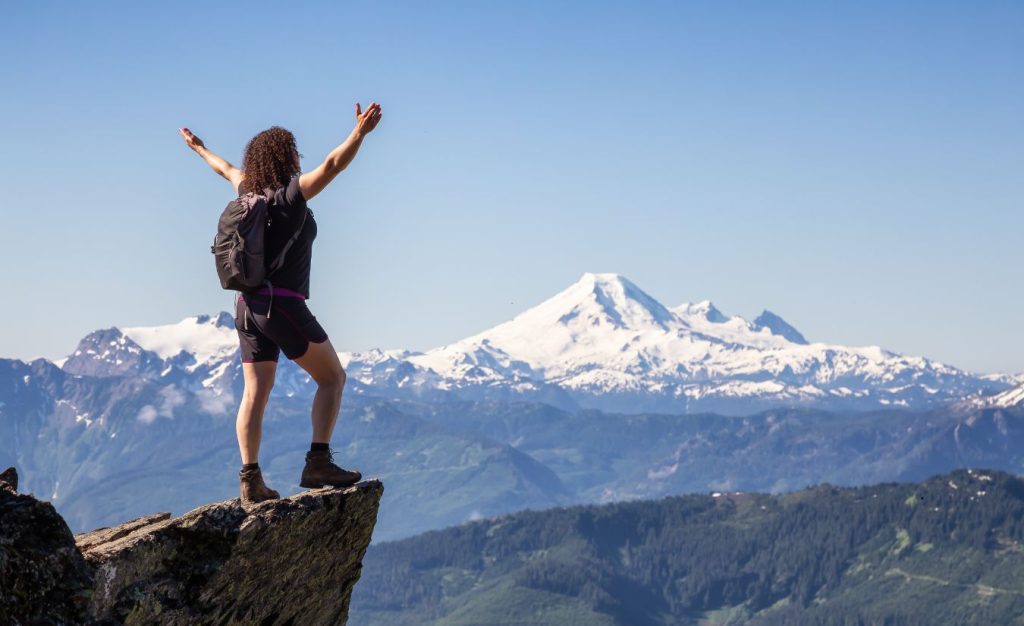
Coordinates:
[289,329]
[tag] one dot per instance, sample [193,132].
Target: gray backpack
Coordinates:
[238,247]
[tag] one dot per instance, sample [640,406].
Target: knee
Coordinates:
[334,382]
[259,393]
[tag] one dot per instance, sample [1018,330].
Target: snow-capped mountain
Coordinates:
[204,338]
[778,326]
[609,344]
[601,343]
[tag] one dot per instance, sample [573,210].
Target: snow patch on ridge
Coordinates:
[1009,398]
[206,338]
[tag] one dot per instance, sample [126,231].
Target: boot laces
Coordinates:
[330,458]
[332,464]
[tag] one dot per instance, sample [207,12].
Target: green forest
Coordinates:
[945,551]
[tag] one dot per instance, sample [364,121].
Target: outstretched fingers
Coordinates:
[367,120]
[372,110]
[190,138]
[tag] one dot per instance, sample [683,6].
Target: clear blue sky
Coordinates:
[855,167]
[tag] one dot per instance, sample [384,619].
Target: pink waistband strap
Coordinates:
[280,291]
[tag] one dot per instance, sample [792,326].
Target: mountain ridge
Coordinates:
[602,343]
[945,550]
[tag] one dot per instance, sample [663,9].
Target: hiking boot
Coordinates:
[252,487]
[320,471]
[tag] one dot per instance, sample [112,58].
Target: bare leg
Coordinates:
[259,380]
[322,364]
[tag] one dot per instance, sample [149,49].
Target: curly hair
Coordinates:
[271,159]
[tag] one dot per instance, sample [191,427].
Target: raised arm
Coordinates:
[314,181]
[219,165]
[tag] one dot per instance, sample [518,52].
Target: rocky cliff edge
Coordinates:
[289,561]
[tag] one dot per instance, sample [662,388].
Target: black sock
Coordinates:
[250,466]
[318,447]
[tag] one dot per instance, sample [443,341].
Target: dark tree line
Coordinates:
[819,556]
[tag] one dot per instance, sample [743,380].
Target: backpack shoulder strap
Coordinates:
[279,260]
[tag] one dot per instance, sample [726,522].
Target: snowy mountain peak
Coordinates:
[584,323]
[703,309]
[778,326]
[108,352]
[205,337]
[610,298]
[223,320]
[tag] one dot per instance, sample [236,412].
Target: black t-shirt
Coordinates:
[286,209]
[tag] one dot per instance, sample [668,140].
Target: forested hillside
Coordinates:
[945,551]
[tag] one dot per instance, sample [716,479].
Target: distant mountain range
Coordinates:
[602,343]
[598,394]
[106,449]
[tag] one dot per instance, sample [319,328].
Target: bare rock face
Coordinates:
[43,577]
[288,561]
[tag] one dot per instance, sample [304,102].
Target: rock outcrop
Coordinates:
[43,577]
[289,561]
[9,479]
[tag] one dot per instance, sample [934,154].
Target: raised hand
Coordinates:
[218,164]
[191,140]
[367,120]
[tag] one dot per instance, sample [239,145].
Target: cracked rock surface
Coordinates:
[293,560]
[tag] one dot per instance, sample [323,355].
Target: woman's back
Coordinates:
[287,208]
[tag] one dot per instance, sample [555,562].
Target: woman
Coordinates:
[269,322]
